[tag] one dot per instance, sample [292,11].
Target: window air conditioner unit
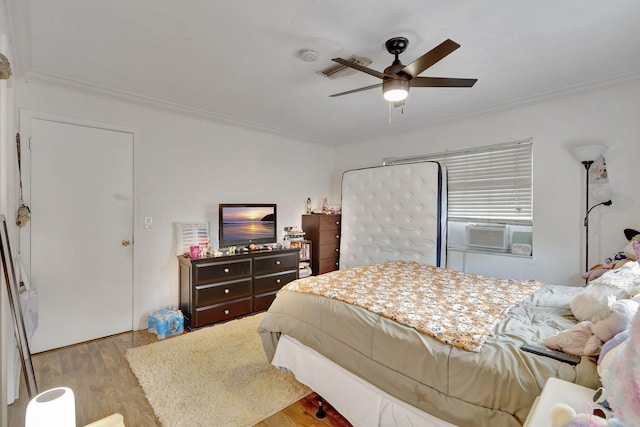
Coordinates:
[488,236]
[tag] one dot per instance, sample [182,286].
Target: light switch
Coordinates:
[148,222]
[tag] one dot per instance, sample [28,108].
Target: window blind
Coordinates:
[491,184]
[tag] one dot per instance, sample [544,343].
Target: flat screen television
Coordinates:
[243,224]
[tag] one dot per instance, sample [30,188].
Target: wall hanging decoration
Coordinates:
[24,213]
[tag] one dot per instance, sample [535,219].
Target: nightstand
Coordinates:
[558,391]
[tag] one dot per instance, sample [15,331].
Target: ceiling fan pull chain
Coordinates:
[389,103]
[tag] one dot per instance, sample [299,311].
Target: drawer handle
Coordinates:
[337,222]
[278,262]
[278,280]
[226,291]
[226,311]
[226,270]
[337,250]
[338,236]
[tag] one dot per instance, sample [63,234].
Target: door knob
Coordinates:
[125,242]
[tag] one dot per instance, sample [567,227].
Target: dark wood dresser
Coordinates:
[324,233]
[222,288]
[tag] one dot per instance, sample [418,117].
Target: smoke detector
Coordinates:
[308,55]
[339,70]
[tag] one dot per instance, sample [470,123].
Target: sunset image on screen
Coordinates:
[247,214]
[248,223]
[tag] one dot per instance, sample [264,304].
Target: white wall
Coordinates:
[186,165]
[606,115]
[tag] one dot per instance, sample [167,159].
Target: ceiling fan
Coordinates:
[398,78]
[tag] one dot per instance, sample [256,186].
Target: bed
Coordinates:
[486,382]
[352,336]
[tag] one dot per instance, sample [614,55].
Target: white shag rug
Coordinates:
[216,376]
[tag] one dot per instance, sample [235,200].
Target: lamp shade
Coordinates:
[587,153]
[601,192]
[395,89]
[52,408]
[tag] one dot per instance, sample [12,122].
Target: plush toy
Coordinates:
[631,234]
[620,373]
[565,416]
[629,253]
[587,337]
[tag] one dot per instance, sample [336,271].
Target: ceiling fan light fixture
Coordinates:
[395,90]
[398,78]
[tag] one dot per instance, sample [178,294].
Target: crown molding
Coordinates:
[622,80]
[57,80]
[131,97]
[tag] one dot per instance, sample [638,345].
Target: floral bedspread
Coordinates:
[457,308]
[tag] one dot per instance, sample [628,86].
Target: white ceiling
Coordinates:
[239,60]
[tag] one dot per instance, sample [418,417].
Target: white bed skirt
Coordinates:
[357,400]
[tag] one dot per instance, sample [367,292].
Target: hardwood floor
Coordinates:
[302,413]
[103,384]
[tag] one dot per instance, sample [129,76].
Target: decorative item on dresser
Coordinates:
[225,287]
[324,233]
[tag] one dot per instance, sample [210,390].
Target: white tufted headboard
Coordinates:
[393,213]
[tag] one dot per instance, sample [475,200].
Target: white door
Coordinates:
[81,232]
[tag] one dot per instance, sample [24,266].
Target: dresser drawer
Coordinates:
[220,312]
[328,264]
[329,222]
[262,302]
[273,282]
[328,251]
[222,271]
[329,237]
[274,263]
[217,293]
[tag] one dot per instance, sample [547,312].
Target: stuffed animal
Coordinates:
[587,337]
[565,416]
[629,253]
[620,373]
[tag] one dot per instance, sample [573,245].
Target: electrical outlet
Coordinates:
[148,222]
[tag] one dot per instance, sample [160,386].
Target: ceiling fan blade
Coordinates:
[430,58]
[356,90]
[359,67]
[441,82]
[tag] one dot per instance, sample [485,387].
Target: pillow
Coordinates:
[572,340]
[592,301]
[621,314]
[610,345]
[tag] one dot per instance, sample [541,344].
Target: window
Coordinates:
[488,185]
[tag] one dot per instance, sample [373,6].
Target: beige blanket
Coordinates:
[491,388]
[456,308]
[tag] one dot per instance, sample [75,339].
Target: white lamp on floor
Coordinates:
[52,408]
